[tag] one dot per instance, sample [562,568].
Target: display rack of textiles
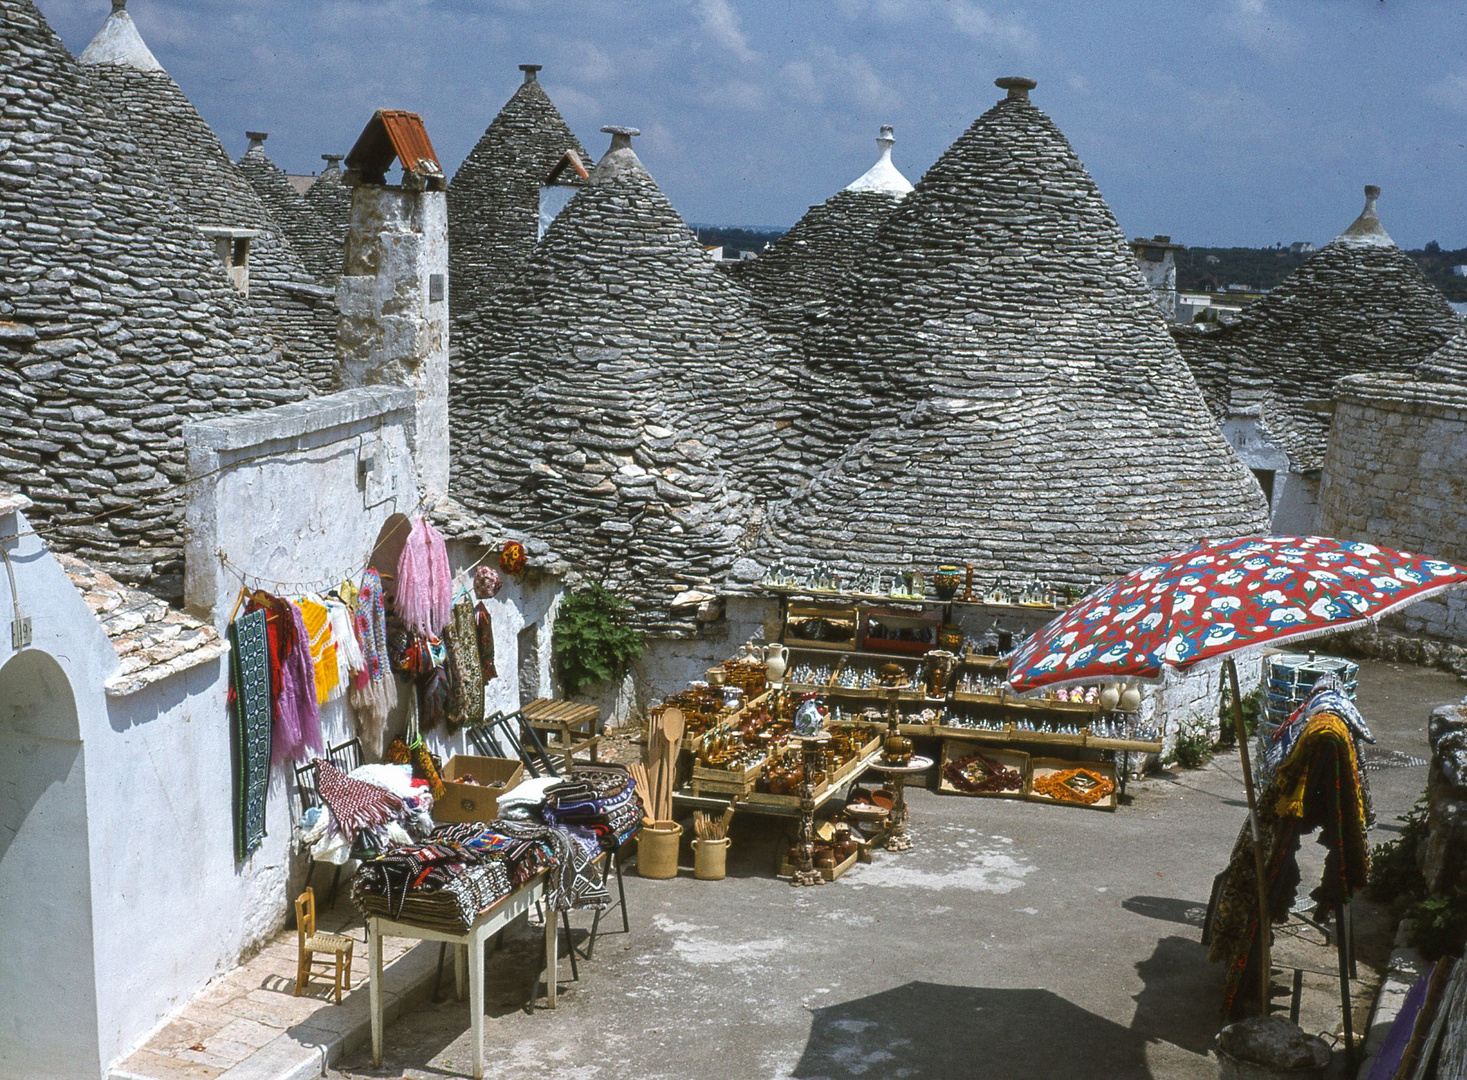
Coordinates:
[1289,677]
[1309,778]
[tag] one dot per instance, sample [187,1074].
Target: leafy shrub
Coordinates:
[1193,748]
[1393,871]
[1227,735]
[592,641]
[1439,923]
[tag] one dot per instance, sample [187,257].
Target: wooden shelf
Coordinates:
[881,598]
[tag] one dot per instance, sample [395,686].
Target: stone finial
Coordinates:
[119,5]
[883,176]
[333,162]
[257,138]
[887,139]
[621,137]
[529,70]
[1017,86]
[1367,230]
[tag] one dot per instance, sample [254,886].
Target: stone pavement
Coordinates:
[249,1025]
[1015,939]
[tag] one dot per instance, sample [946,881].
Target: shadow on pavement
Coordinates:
[1168,909]
[1180,997]
[926,1031]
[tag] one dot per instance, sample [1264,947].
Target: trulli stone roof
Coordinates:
[1448,364]
[330,201]
[169,136]
[494,198]
[117,322]
[1358,306]
[793,281]
[630,385]
[1025,408]
[316,242]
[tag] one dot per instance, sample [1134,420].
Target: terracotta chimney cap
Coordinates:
[529,70]
[1017,86]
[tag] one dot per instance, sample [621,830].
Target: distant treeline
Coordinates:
[1199,269]
[1204,269]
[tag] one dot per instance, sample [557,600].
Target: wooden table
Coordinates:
[572,727]
[468,958]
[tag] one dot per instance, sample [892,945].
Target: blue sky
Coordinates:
[1220,122]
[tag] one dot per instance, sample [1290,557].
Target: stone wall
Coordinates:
[1396,474]
[1444,860]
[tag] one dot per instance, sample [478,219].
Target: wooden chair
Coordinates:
[312,943]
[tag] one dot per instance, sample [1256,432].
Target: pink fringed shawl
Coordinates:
[424,598]
[297,715]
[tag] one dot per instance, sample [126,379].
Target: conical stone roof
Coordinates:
[1448,364]
[117,324]
[330,201]
[494,198]
[629,384]
[1359,306]
[1024,407]
[169,136]
[311,238]
[793,281]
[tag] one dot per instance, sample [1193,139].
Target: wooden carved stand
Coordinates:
[812,762]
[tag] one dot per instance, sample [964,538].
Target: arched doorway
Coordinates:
[48,1005]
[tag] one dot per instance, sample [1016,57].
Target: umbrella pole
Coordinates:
[1265,953]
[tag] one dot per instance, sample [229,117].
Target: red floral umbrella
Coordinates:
[1220,598]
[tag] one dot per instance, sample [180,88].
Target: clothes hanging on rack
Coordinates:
[374,689]
[466,691]
[297,716]
[317,620]
[349,659]
[1318,784]
[250,701]
[484,630]
[424,593]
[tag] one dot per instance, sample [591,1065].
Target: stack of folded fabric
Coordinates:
[596,799]
[464,869]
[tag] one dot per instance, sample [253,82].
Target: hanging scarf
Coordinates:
[374,690]
[349,658]
[355,804]
[424,586]
[484,631]
[249,696]
[324,663]
[292,680]
[466,693]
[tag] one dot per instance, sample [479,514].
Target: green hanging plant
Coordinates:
[593,642]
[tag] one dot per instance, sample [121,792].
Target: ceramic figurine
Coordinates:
[808,718]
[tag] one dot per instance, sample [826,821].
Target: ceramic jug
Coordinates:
[776,662]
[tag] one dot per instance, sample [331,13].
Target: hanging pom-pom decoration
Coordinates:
[487,582]
[512,556]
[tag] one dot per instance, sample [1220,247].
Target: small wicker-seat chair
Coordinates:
[311,943]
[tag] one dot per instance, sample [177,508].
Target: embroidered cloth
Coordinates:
[249,691]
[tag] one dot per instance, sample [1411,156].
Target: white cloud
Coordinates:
[1450,92]
[982,25]
[1259,29]
[720,22]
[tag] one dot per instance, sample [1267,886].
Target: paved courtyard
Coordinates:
[1015,940]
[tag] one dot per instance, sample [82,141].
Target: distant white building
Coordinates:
[1460,270]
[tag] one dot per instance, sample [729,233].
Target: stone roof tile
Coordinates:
[319,243]
[1358,306]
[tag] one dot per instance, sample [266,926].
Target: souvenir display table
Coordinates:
[468,958]
[894,837]
[570,727]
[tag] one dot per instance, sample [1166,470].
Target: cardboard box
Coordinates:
[478,801]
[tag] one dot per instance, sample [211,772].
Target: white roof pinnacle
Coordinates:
[883,176]
[1366,230]
[118,42]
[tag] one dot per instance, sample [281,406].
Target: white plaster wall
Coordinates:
[286,499]
[48,1018]
[1294,509]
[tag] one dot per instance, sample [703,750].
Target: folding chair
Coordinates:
[490,736]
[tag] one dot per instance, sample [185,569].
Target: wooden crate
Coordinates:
[924,626]
[725,781]
[842,618]
[952,749]
[787,869]
[1041,767]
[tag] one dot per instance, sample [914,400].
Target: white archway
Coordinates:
[48,1005]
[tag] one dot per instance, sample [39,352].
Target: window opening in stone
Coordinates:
[1265,481]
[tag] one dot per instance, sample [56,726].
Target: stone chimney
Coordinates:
[393,291]
[1017,86]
